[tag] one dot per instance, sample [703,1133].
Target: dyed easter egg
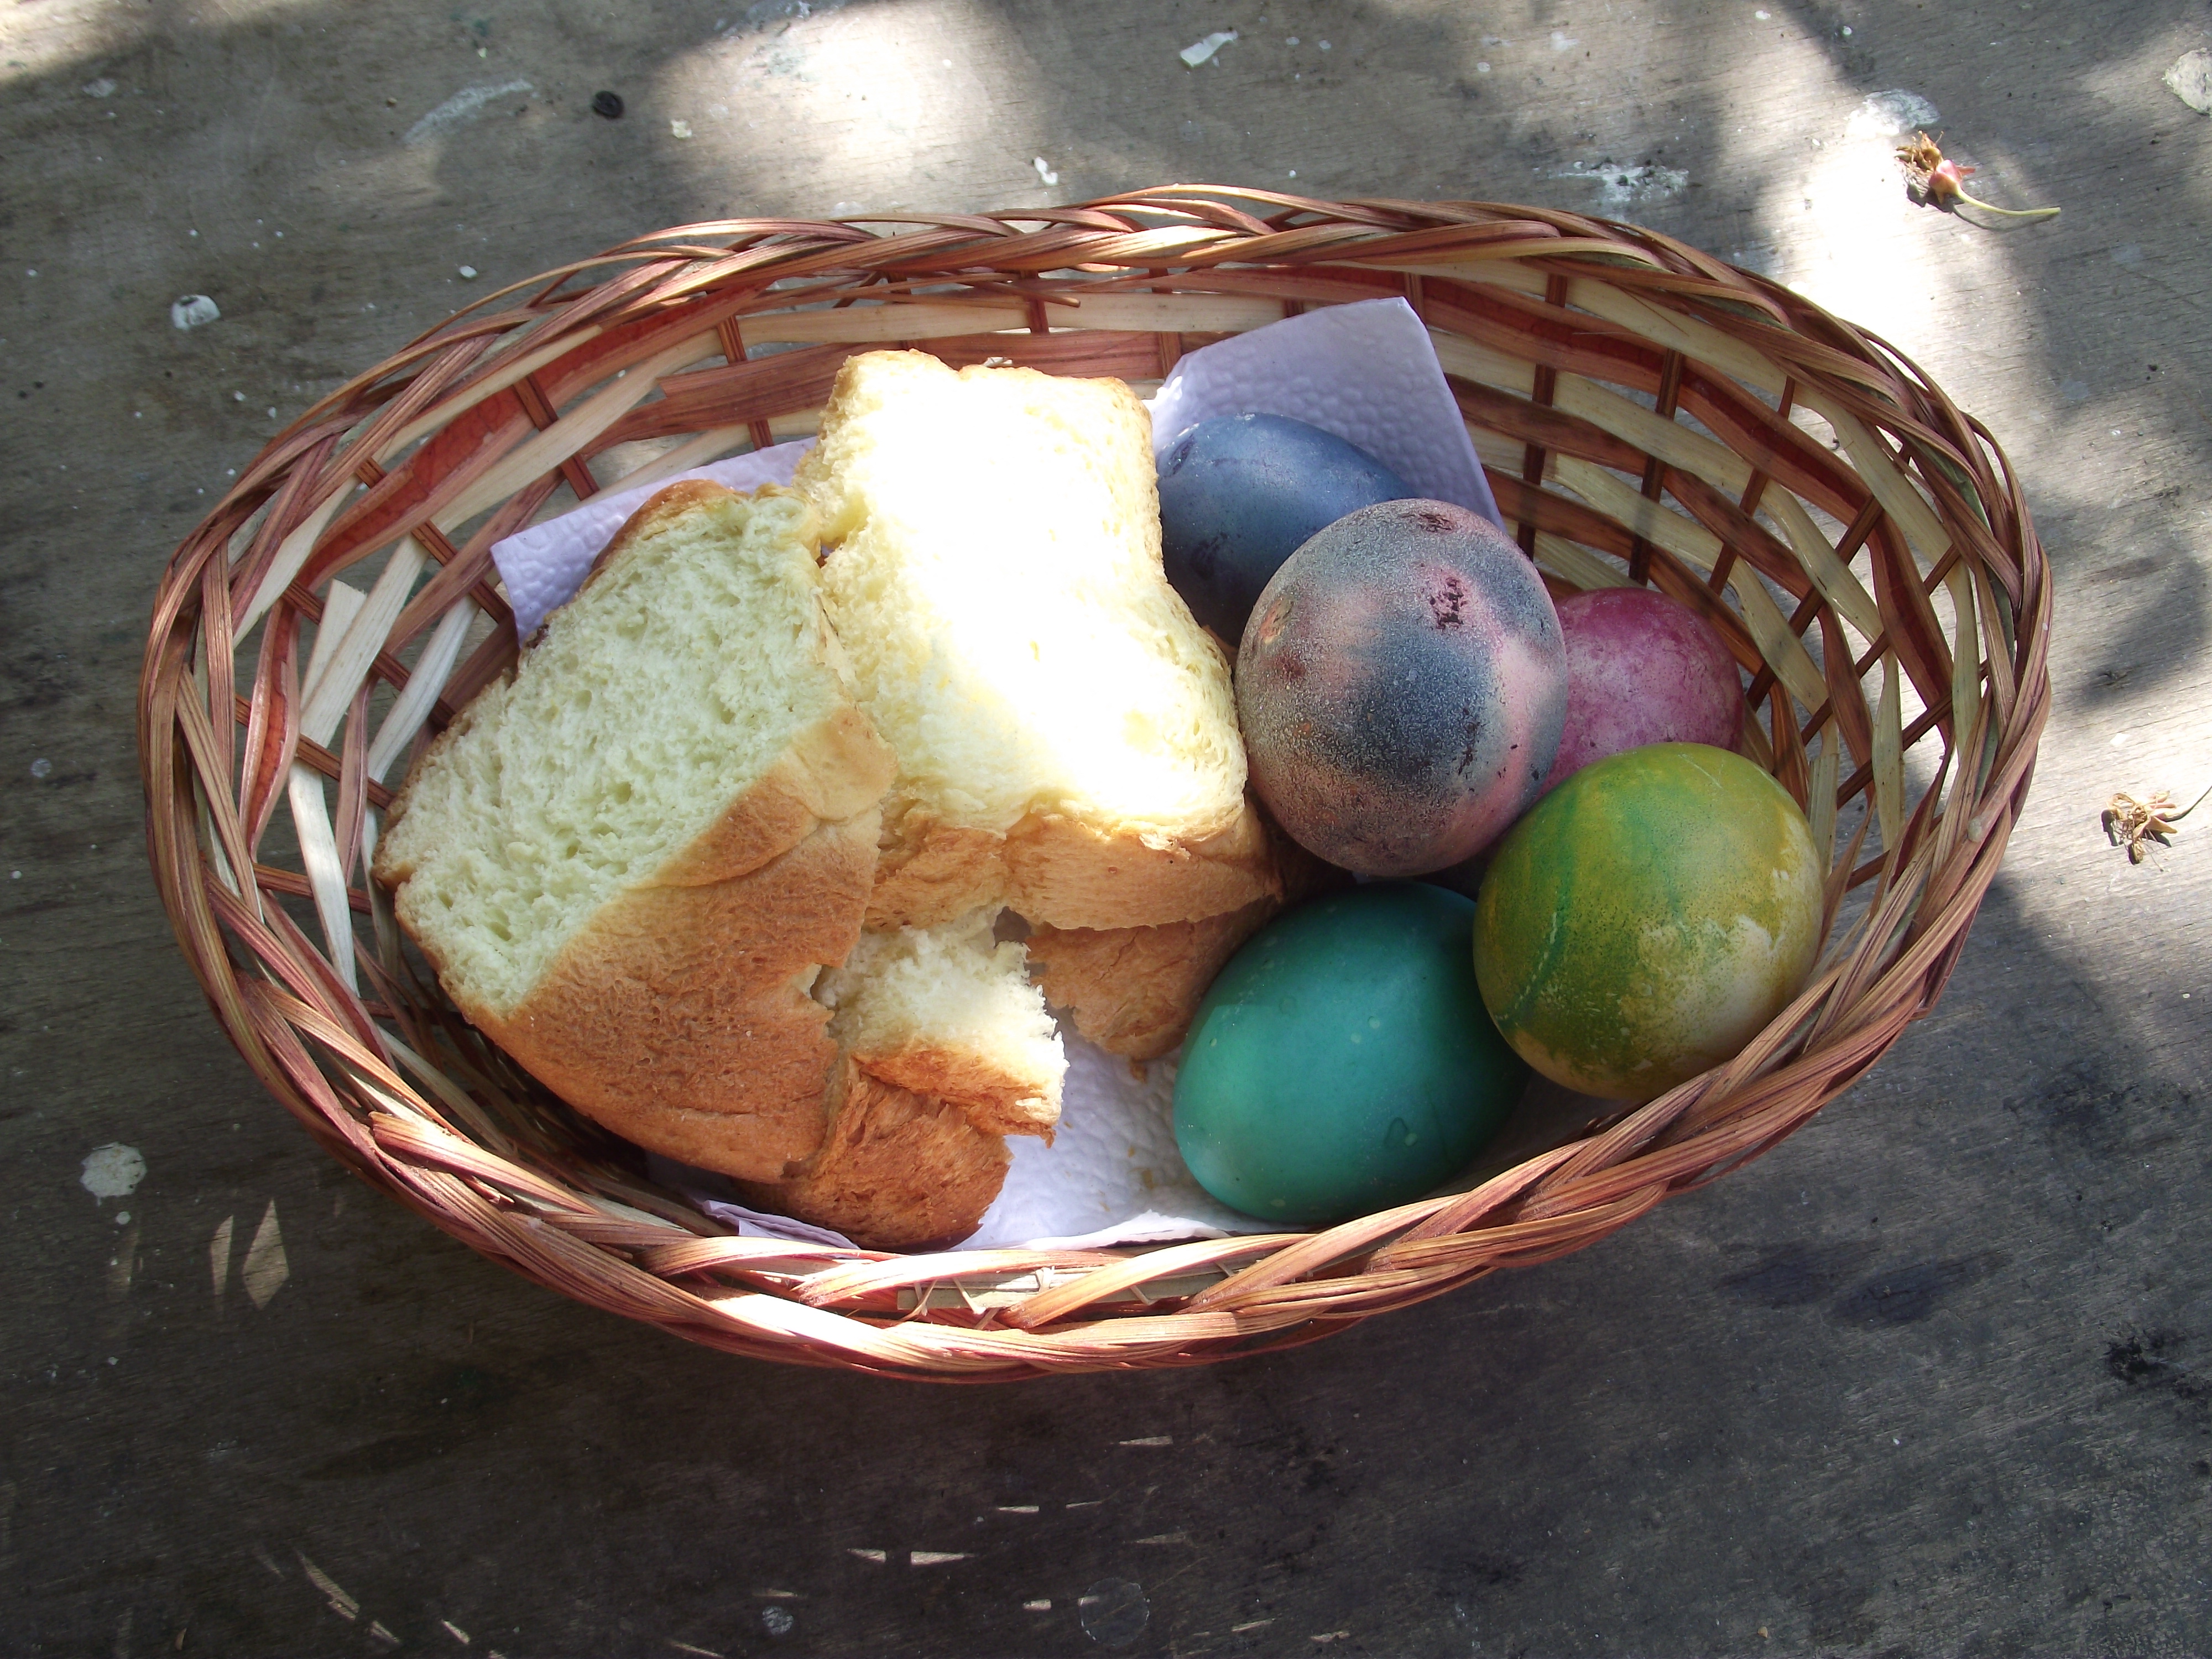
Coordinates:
[1647,918]
[1239,493]
[1642,668]
[1341,1062]
[1402,685]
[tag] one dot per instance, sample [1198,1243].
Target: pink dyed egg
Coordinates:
[1642,668]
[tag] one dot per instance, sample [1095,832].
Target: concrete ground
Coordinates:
[1934,1378]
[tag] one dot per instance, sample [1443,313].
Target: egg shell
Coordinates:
[1342,1062]
[1647,918]
[1240,493]
[1643,668]
[1402,685]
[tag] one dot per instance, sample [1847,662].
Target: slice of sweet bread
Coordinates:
[629,861]
[1066,733]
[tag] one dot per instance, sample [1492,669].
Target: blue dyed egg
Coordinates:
[1239,492]
[1343,1061]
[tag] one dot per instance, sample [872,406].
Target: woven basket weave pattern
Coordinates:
[1645,414]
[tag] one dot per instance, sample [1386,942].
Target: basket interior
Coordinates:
[1646,415]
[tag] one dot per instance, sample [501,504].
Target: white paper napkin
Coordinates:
[1365,372]
[1112,1175]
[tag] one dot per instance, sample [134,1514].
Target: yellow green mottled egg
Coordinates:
[1647,918]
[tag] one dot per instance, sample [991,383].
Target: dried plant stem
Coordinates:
[1936,178]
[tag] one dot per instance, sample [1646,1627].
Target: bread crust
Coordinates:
[678,1009]
[834,771]
[994,1099]
[1134,991]
[896,1170]
[926,873]
[1062,872]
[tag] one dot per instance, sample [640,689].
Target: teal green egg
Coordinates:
[1343,1061]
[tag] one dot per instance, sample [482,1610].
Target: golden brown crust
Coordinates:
[927,874]
[1061,873]
[834,770]
[1134,991]
[692,1000]
[995,1100]
[896,1170]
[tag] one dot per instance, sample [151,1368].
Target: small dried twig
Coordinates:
[1934,179]
[2132,823]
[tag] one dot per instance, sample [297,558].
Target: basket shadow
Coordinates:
[1663,1405]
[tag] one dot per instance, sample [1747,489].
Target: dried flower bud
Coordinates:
[1933,178]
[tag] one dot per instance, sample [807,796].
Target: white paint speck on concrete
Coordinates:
[112,1171]
[460,107]
[1198,50]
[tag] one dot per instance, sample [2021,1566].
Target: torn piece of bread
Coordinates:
[1066,735]
[946,1048]
[950,1012]
[629,861]
[896,1170]
[1134,991]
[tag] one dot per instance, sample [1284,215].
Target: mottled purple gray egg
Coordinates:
[1401,683]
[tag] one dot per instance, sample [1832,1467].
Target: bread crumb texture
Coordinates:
[694,665]
[951,1012]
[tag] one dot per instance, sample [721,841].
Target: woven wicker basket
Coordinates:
[1646,414]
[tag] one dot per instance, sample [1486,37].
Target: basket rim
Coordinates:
[1558,327]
